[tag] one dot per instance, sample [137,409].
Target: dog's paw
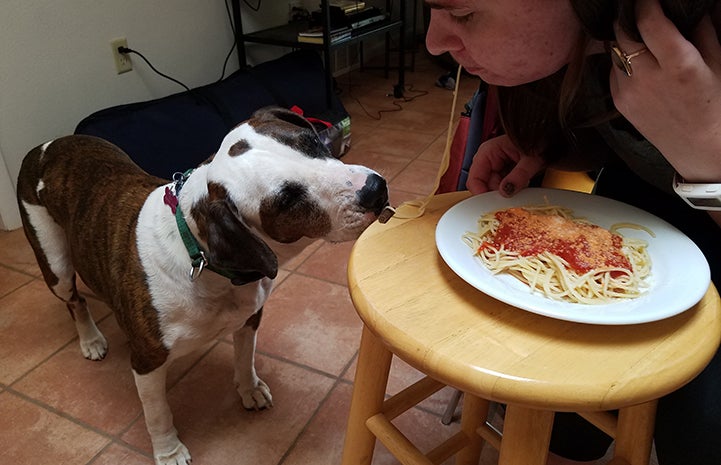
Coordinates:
[257,398]
[94,348]
[178,456]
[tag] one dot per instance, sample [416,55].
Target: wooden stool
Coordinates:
[413,306]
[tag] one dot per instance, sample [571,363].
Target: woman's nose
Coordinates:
[440,37]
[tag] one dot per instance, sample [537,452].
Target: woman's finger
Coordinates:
[628,55]
[707,42]
[521,174]
[661,35]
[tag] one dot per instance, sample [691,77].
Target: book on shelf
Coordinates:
[347,6]
[315,35]
[355,20]
[358,21]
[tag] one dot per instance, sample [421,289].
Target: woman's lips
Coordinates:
[473,69]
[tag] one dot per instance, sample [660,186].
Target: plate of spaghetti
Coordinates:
[573,256]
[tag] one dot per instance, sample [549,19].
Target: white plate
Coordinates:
[679,277]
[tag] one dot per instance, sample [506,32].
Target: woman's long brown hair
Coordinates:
[542,116]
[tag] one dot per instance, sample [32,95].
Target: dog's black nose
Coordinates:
[374,195]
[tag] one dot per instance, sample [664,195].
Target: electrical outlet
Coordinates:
[122,60]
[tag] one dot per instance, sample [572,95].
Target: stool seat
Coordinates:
[415,307]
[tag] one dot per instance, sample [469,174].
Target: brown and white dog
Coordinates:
[271,189]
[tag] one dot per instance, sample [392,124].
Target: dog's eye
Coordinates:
[311,145]
[290,194]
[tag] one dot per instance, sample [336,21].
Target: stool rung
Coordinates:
[448,448]
[405,452]
[410,396]
[399,445]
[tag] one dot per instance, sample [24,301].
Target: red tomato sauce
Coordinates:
[584,246]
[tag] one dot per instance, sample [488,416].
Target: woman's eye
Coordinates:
[462,19]
[461,16]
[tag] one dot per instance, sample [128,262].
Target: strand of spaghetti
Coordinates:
[415,208]
[617,226]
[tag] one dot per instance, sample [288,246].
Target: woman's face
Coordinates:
[505,42]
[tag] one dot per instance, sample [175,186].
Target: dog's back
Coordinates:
[100,172]
[67,189]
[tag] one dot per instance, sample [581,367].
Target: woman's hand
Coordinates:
[499,165]
[674,95]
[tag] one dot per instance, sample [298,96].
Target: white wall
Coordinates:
[56,65]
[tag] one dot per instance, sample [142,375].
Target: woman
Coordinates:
[630,88]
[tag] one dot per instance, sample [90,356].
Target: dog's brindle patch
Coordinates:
[127,187]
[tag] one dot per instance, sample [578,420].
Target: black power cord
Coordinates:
[232,28]
[254,8]
[126,50]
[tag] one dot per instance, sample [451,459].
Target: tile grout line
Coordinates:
[49,408]
[10,292]
[338,381]
[18,270]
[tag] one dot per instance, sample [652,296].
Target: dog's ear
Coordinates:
[283,114]
[291,130]
[233,247]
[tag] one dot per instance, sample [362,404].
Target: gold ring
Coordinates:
[623,60]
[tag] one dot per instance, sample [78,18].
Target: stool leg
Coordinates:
[475,412]
[369,388]
[447,418]
[634,436]
[526,436]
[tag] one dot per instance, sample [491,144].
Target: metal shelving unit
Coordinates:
[287,36]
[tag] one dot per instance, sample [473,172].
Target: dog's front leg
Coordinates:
[167,448]
[254,393]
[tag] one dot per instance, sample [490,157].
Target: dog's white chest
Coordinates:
[190,313]
[190,323]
